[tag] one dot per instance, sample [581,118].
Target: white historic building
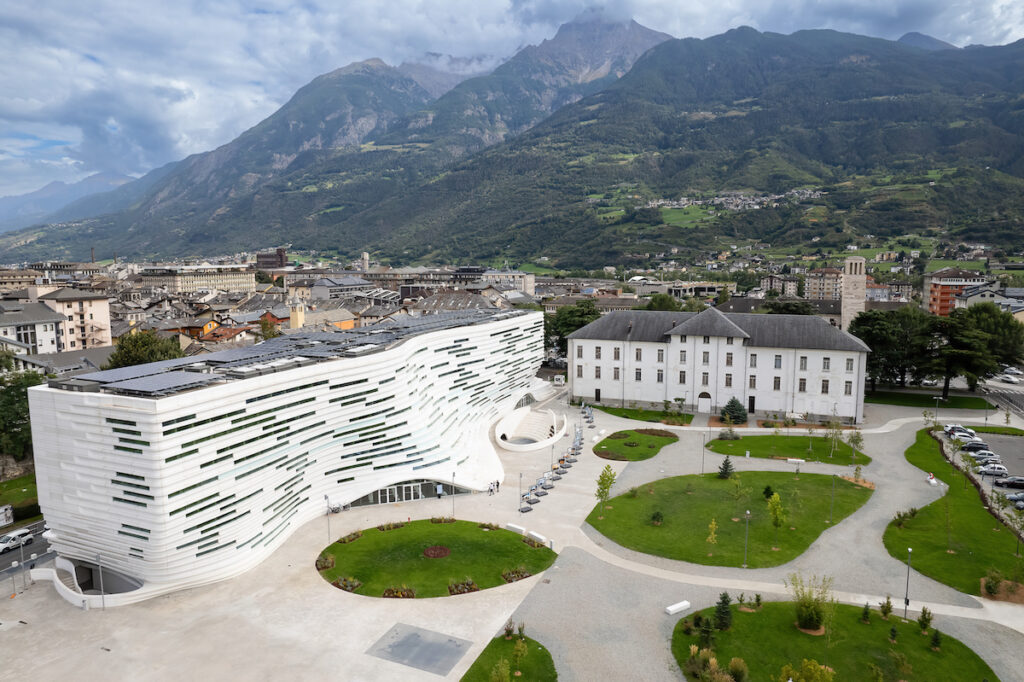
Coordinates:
[773,364]
[183,472]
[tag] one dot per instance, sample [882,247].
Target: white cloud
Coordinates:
[183,77]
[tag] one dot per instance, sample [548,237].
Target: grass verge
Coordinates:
[785,447]
[767,640]
[927,400]
[955,540]
[647,415]
[536,665]
[634,446]
[18,491]
[394,558]
[1000,430]
[689,503]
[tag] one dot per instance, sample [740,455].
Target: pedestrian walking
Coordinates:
[497,486]
[490,488]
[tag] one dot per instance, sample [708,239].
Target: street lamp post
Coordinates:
[832,505]
[14,585]
[746,536]
[519,504]
[453,495]
[103,595]
[937,398]
[328,500]
[906,596]
[704,444]
[24,579]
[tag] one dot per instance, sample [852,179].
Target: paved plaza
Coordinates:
[598,609]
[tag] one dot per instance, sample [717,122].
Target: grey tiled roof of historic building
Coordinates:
[709,322]
[772,331]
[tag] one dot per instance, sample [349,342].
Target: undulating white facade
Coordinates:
[189,471]
[773,364]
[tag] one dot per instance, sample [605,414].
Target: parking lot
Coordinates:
[1010,448]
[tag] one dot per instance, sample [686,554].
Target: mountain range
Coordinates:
[518,162]
[26,209]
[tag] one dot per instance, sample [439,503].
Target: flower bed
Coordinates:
[399,593]
[514,574]
[349,584]
[391,525]
[351,537]
[436,552]
[464,587]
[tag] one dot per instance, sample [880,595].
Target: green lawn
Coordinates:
[536,665]
[980,542]
[689,503]
[1001,430]
[634,446]
[927,400]
[383,559]
[643,415]
[18,490]
[939,263]
[788,447]
[768,639]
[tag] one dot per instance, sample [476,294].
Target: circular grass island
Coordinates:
[430,558]
[767,639]
[634,445]
[671,517]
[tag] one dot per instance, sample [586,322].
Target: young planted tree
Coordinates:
[725,470]
[519,652]
[738,494]
[777,514]
[855,439]
[500,672]
[886,607]
[723,612]
[604,488]
[834,432]
[735,411]
[811,597]
[712,534]
[924,621]
[809,671]
[810,438]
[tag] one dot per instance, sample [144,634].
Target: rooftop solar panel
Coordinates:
[162,383]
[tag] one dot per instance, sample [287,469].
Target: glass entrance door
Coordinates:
[411,491]
[388,495]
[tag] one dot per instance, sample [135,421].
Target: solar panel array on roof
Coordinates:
[123,373]
[156,384]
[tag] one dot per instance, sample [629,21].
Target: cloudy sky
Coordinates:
[128,85]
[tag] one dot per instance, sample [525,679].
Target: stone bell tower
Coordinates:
[854,291]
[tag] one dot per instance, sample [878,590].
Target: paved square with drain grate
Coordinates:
[415,647]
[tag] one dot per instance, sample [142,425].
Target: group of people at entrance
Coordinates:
[493,487]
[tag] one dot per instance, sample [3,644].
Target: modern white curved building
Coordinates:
[184,472]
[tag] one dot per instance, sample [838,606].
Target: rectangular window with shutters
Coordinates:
[661,376]
[597,352]
[803,363]
[704,379]
[638,373]
[728,359]
[778,362]
[728,381]
[826,364]
[849,364]
[661,355]
[777,383]
[753,360]
[803,386]
[705,358]
[615,353]
[848,388]
[753,381]
[824,385]
[597,372]
[579,371]
[639,354]
[615,373]
[682,377]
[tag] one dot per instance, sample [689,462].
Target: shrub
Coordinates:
[632,492]
[810,597]
[734,412]
[501,671]
[726,470]
[324,561]
[893,633]
[993,579]
[698,620]
[728,434]
[738,670]
[865,614]
[657,517]
[757,600]
[723,613]
[26,511]
[707,634]
[521,629]
[687,628]
[936,640]
[510,627]
[924,621]
[768,492]
[856,472]
[886,607]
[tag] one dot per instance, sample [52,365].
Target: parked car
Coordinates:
[929,382]
[981,454]
[987,461]
[950,428]
[997,470]
[1009,379]
[974,446]
[15,539]
[1011,482]
[1015,497]
[1014,371]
